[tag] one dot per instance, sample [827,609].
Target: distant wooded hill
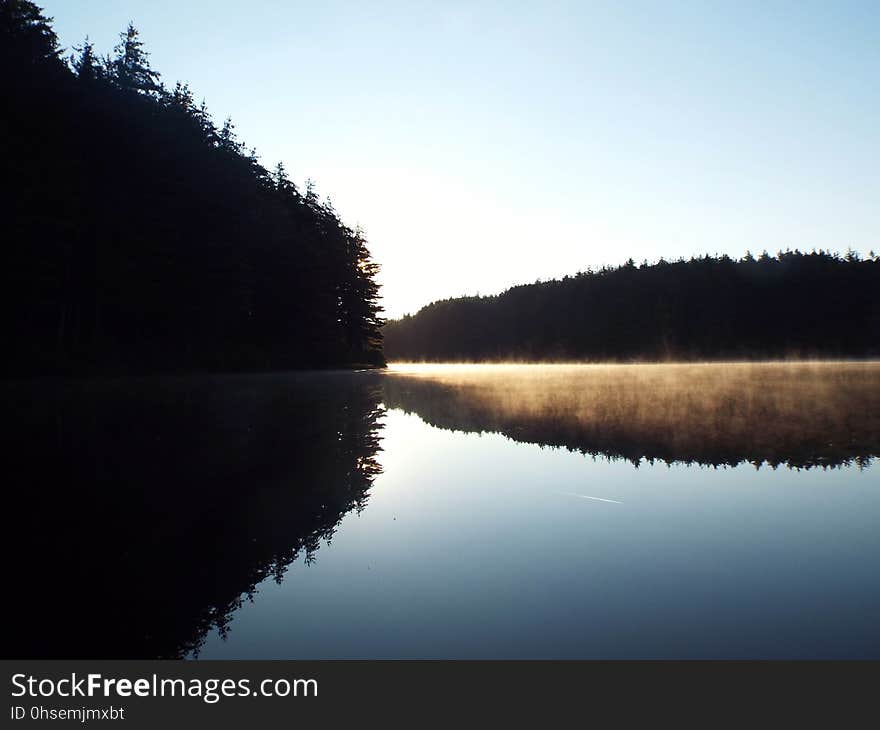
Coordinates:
[140,236]
[791,305]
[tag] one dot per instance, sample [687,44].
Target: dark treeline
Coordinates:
[791,305]
[148,509]
[141,236]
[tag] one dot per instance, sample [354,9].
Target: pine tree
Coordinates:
[130,64]
[227,139]
[86,65]
[26,34]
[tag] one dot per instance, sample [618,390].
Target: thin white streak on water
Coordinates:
[587,496]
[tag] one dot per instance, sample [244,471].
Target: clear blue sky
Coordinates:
[483,144]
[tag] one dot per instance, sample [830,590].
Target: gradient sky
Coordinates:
[483,144]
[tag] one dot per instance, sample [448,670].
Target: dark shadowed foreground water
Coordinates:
[449,512]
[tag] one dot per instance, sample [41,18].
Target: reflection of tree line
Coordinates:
[800,415]
[147,510]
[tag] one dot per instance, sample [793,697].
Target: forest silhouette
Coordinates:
[793,305]
[142,237]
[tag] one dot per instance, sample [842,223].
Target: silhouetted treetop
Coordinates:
[130,64]
[26,34]
[85,64]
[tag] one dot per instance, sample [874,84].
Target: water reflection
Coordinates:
[145,511]
[799,414]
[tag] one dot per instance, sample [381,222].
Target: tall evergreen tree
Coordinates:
[85,64]
[26,34]
[130,64]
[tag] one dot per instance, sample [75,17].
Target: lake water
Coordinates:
[699,511]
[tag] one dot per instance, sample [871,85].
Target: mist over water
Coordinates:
[798,413]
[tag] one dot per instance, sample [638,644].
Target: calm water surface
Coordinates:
[729,511]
